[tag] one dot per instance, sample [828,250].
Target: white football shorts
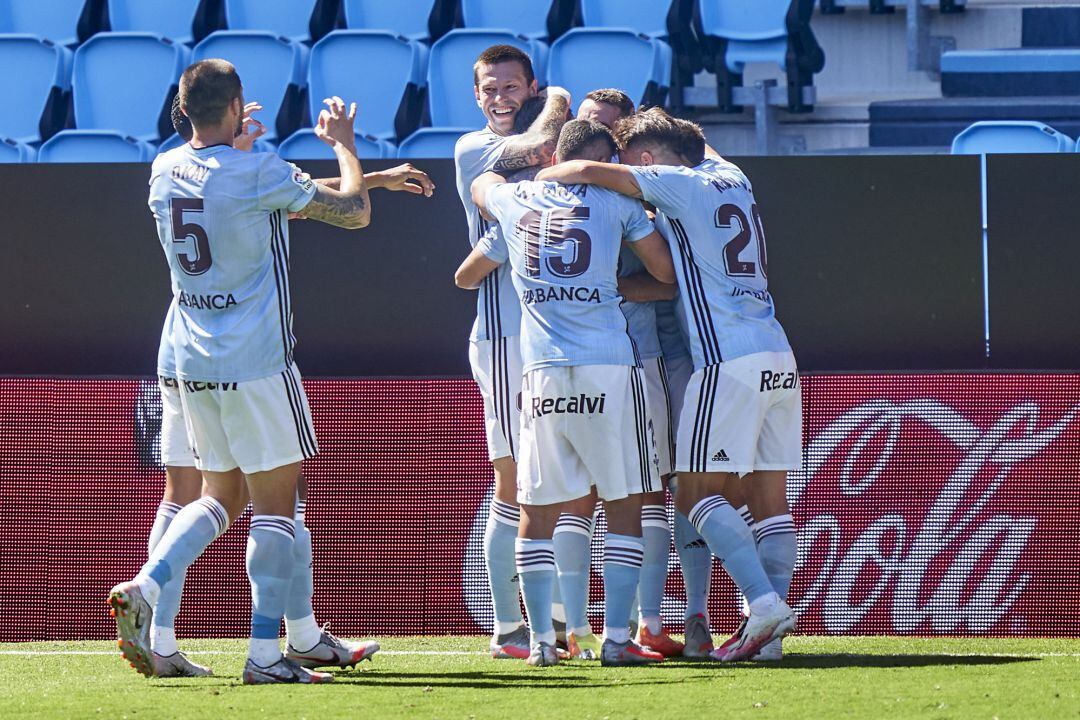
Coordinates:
[742,415]
[656,384]
[585,426]
[256,425]
[496,367]
[679,371]
[175,445]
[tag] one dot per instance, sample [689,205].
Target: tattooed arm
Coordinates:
[537,145]
[347,206]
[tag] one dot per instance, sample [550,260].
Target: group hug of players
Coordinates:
[625,345]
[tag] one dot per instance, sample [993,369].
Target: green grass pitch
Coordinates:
[451,677]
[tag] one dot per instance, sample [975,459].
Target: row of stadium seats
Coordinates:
[124,82]
[106,146]
[187,21]
[720,36]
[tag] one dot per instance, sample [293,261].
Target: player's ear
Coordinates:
[476,92]
[534,89]
[647,158]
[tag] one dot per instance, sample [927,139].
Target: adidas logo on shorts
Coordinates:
[720,456]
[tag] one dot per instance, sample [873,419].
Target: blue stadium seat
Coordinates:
[272,69]
[431,143]
[175,141]
[382,72]
[586,59]
[524,18]
[57,20]
[738,32]
[1011,136]
[404,17]
[451,96]
[94,146]
[173,19]
[293,19]
[122,82]
[303,145]
[34,101]
[648,17]
[12,152]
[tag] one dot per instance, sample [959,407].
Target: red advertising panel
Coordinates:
[927,504]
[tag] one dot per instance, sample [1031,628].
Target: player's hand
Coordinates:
[335,125]
[251,129]
[553,90]
[406,177]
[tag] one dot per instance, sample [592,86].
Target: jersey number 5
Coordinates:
[727,216]
[566,252]
[194,250]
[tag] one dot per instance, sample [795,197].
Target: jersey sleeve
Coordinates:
[493,245]
[636,224]
[497,199]
[668,187]
[476,153]
[282,185]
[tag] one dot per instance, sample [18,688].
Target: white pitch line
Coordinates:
[35,653]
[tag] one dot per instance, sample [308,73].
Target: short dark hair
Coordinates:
[693,141]
[611,96]
[206,90]
[654,126]
[527,114]
[504,53]
[579,135]
[180,121]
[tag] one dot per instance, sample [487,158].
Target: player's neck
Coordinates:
[212,136]
[498,132]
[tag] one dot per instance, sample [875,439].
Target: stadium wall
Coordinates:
[875,264]
[927,504]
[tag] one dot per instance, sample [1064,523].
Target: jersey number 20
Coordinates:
[566,252]
[194,244]
[730,217]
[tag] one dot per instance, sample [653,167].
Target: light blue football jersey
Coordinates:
[670,330]
[640,317]
[711,221]
[166,361]
[498,313]
[563,243]
[222,218]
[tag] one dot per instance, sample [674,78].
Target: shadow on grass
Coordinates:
[812,661]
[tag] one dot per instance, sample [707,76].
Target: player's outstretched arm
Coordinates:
[612,176]
[474,269]
[348,207]
[404,178]
[655,255]
[479,191]
[536,146]
[643,287]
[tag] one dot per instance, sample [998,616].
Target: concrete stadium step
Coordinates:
[1010,73]
[935,121]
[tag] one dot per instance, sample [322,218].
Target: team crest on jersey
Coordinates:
[302,179]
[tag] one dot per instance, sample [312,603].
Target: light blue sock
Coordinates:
[571,541]
[656,535]
[500,535]
[777,548]
[730,540]
[301,586]
[270,567]
[162,637]
[695,559]
[189,533]
[536,570]
[622,572]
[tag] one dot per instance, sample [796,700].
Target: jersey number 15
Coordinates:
[565,251]
[191,240]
